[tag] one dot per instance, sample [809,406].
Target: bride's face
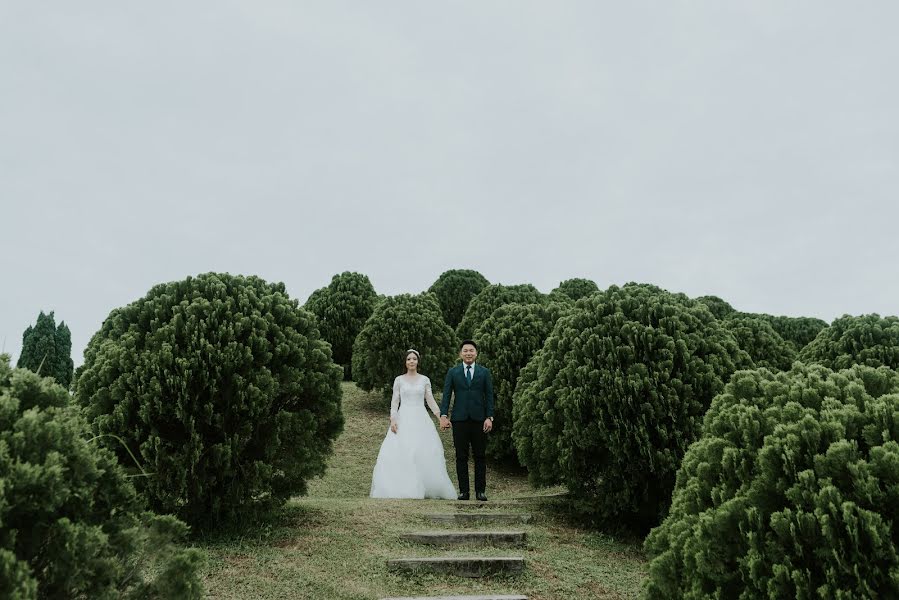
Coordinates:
[412,362]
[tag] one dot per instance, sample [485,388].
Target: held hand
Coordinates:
[393,426]
[444,423]
[488,425]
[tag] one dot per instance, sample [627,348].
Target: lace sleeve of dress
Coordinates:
[429,398]
[395,402]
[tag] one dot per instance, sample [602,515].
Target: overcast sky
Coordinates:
[744,149]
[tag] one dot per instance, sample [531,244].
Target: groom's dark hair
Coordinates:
[462,345]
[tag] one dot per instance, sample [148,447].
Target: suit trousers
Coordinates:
[465,434]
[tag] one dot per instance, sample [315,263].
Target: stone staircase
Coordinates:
[469,565]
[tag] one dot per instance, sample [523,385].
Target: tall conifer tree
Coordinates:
[47,349]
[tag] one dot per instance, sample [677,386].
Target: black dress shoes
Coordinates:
[462,497]
[481,496]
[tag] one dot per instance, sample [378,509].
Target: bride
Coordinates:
[411,463]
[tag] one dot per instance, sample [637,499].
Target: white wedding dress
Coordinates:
[411,463]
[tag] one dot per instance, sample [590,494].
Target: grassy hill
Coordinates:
[333,543]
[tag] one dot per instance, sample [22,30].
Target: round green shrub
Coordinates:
[611,402]
[223,388]
[869,340]
[792,491]
[71,523]
[399,323]
[491,298]
[720,308]
[576,288]
[798,331]
[506,341]
[342,309]
[756,336]
[454,290]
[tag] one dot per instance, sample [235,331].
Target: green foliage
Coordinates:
[718,307]
[71,523]
[507,340]
[454,290]
[792,491]
[869,340]
[399,323]
[342,309]
[576,288]
[799,331]
[47,350]
[611,402]
[491,298]
[756,336]
[222,387]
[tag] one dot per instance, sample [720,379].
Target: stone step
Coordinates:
[490,501]
[478,517]
[487,597]
[463,566]
[483,538]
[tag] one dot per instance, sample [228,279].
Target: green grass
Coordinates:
[333,543]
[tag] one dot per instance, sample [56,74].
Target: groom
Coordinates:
[472,417]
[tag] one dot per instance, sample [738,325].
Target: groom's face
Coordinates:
[468,353]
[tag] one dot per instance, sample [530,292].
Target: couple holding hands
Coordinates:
[411,462]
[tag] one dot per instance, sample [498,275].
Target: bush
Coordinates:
[399,323]
[454,290]
[792,492]
[720,308]
[869,340]
[491,298]
[507,340]
[611,402]
[798,331]
[576,288]
[71,522]
[222,386]
[756,336]
[342,309]
[47,350]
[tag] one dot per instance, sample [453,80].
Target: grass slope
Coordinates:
[333,543]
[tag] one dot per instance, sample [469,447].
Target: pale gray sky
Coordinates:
[744,149]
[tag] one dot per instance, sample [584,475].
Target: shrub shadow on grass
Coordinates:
[570,512]
[274,528]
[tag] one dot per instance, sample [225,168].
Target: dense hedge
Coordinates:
[792,492]
[47,350]
[222,387]
[454,290]
[869,340]
[720,308]
[399,323]
[799,331]
[342,308]
[756,336]
[71,523]
[491,298]
[576,288]
[611,402]
[507,340]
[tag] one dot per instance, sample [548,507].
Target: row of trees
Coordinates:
[762,451]
[220,395]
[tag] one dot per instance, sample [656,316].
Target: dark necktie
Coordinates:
[468,374]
